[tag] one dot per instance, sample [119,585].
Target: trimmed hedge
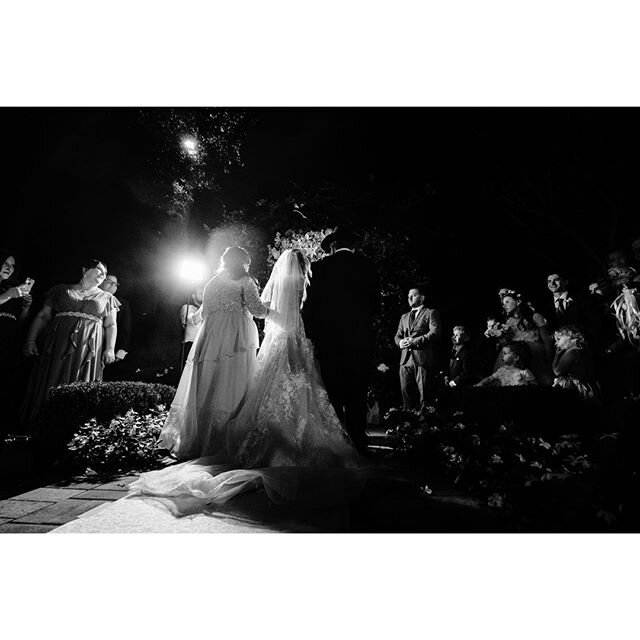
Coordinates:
[69,407]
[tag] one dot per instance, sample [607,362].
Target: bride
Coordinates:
[285,437]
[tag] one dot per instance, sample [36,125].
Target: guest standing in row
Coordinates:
[523,324]
[81,330]
[220,364]
[573,363]
[15,303]
[191,321]
[418,332]
[116,371]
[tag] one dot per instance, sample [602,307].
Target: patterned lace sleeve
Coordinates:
[252,299]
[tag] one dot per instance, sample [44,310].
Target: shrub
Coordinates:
[70,406]
[125,443]
[550,481]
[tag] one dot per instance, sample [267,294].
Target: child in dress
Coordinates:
[513,372]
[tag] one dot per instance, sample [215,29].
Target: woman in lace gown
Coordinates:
[286,437]
[220,364]
[81,329]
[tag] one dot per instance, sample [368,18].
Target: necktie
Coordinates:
[562,305]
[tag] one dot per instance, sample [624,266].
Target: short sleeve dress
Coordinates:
[72,347]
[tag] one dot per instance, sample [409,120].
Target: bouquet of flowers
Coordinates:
[627,312]
[495,329]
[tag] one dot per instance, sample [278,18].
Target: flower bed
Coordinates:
[122,444]
[540,482]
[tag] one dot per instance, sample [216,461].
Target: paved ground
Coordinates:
[43,509]
[33,504]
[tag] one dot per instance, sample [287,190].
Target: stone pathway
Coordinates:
[382,509]
[44,509]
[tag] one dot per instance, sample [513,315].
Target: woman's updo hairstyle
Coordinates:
[235,261]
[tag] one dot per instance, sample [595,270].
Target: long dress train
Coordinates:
[286,439]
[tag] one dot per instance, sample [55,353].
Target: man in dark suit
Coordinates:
[572,309]
[123,340]
[342,299]
[417,335]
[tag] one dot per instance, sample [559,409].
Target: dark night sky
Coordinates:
[75,185]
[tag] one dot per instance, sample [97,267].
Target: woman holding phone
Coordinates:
[15,302]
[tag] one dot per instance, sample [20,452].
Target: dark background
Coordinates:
[488,197]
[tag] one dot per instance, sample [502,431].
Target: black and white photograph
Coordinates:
[320,319]
[371,313]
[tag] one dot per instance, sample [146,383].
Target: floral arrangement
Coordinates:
[504,468]
[124,443]
[495,329]
[621,276]
[627,312]
[308,242]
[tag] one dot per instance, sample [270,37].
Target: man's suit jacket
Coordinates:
[581,312]
[342,299]
[123,319]
[462,369]
[426,328]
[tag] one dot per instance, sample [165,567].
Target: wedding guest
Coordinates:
[572,308]
[417,335]
[573,364]
[15,303]
[220,365]
[568,307]
[80,338]
[111,284]
[522,323]
[620,272]
[191,321]
[461,363]
[514,371]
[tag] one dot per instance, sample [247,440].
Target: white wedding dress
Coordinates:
[286,438]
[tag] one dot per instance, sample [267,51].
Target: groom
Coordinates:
[342,300]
